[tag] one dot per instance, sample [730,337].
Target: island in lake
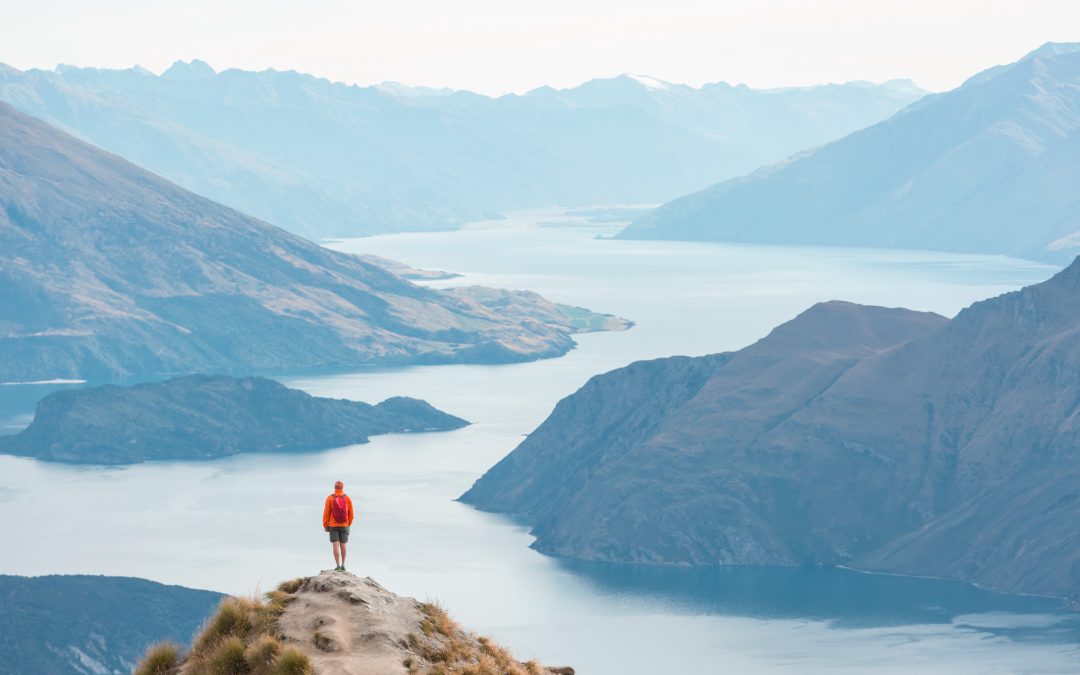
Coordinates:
[206,417]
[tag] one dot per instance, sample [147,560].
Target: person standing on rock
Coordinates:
[337,519]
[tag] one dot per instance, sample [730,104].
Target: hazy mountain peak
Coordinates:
[649,82]
[406,91]
[392,157]
[1047,50]
[1054,49]
[903,85]
[190,70]
[991,172]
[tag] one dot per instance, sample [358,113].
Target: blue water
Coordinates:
[247,522]
[846,598]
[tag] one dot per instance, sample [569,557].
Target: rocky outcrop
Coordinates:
[205,417]
[336,624]
[110,271]
[349,625]
[884,440]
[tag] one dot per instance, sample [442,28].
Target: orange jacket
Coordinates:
[328,520]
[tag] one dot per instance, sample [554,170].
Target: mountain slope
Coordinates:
[989,167]
[880,439]
[204,417]
[109,270]
[325,159]
[91,624]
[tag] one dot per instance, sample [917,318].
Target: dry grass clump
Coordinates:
[450,650]
[261,654]
[292,662]
[161,659]
[291,586]
[241,638]
[228,656]
[233,618]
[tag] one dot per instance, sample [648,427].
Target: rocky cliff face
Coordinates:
[204,417]
[882,439]
[108,270]
[988,168]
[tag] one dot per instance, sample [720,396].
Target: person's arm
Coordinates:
[326,514]
[349,500]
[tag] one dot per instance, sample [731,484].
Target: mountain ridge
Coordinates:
[964,170]
[327,159]
[81,624]
[113,271]
[877,439]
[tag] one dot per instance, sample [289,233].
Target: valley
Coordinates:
[418,541]
[775,373]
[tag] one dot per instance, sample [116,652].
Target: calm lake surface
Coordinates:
[245,523]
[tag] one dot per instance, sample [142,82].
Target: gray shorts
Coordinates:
[339,534]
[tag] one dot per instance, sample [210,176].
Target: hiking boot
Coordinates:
[339,568]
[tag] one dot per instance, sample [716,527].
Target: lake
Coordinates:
[242,524]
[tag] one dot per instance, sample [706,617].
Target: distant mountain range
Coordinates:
[206,417]
[881,439]
[325,159]
[91,625]
[109,271]
[990,167]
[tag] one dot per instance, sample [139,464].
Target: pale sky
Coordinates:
[496,46]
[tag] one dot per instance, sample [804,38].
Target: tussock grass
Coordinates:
[291,586]
[292,662]
[161,659]
[227,657]
[233,618]
[261,654]
[450,650]
[241,638]
[276,602]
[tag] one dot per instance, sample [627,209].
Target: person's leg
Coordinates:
[343,554]
[338,554]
